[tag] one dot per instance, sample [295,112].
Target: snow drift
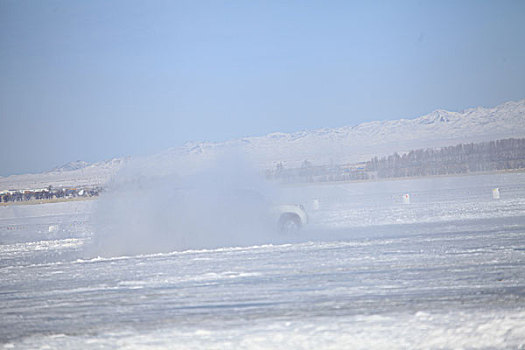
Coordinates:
[152,208]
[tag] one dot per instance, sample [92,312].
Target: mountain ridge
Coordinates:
[346,144]
[376,138]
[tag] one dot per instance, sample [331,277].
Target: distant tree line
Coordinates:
[505,154]
[48,193]
[464,158]
[313,173]
[508,154]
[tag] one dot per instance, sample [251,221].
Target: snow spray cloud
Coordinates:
[153,208]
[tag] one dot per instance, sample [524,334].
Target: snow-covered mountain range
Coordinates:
[348,144]
[87,176]
[78,164]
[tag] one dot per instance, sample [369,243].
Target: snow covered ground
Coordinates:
[370,272]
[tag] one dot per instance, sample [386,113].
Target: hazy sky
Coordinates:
[93,80]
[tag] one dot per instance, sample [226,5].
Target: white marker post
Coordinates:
[315,204]
[406,198]
[495,193]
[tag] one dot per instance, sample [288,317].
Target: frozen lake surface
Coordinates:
[446,271]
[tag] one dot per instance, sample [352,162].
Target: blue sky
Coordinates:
[93,80]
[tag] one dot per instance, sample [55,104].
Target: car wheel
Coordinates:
[289,223]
